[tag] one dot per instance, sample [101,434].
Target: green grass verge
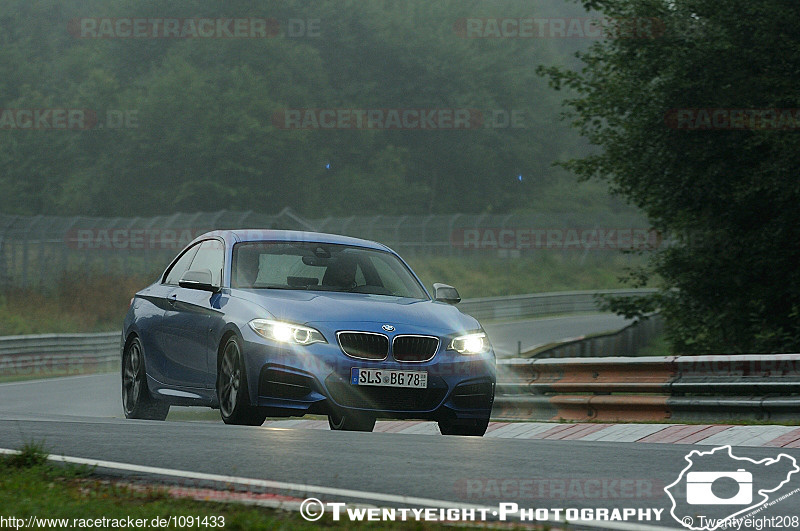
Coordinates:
[88,304]
[546,271]
[31,486]
[658,346]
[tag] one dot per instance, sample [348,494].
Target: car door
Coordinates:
[157,340]
[188,322]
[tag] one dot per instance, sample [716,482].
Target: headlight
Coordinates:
[470,344]
[286,333]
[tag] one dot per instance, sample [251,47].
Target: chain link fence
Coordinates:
[37,251]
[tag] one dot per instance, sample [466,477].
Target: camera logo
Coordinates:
[727,486]
[699,488]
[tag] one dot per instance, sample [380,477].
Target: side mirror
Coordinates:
[445,293]
[200,280]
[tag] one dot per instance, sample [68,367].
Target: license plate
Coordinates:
[389,378]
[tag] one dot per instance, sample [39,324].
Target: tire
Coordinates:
[232,393]
[473,428]
[136,400]
[340,420]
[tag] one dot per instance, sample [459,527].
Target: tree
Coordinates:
[204,137]
[725,194]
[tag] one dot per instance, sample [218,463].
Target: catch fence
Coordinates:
[37,251]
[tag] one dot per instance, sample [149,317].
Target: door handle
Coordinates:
[172,299]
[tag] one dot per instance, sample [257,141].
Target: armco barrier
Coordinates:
[684,388]
[58,353]
[626,342]
[521,306]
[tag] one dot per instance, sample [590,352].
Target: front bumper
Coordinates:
[294,381]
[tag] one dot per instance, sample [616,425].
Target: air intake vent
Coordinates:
[414,348]
[364,345]
[276,383]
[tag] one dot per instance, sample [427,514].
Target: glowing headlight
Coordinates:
[470,344]
[286,332]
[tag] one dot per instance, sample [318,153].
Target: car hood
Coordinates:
[308,307]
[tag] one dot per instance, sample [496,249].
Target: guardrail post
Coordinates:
[3,267]
[25,262]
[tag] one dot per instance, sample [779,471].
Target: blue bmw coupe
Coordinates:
[264,323]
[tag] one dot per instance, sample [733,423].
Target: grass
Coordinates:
[658,346]
[92,304]
[546,271]
[97,303]
[32,486]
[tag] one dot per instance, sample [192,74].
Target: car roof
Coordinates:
[255,235]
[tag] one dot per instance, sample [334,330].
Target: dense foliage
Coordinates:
[727,193]
[203,137]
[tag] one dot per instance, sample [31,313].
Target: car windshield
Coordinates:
[322,267]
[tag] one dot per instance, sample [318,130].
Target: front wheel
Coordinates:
[136,400]
[234,399]
[474,427]
[340,420]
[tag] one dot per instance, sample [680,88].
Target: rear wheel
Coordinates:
[350,421]
[234,399]
[474,427]
[136,400]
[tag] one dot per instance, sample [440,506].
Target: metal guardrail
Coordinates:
[625,342]
[58,353]
[521,306]
[677,388]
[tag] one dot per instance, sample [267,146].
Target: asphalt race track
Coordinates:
[479,471]
[79,417]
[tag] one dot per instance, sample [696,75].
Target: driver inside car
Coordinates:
[247,269]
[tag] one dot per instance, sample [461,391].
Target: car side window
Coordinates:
[210,256]
[181,266]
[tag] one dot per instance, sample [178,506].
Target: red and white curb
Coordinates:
[766,436]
